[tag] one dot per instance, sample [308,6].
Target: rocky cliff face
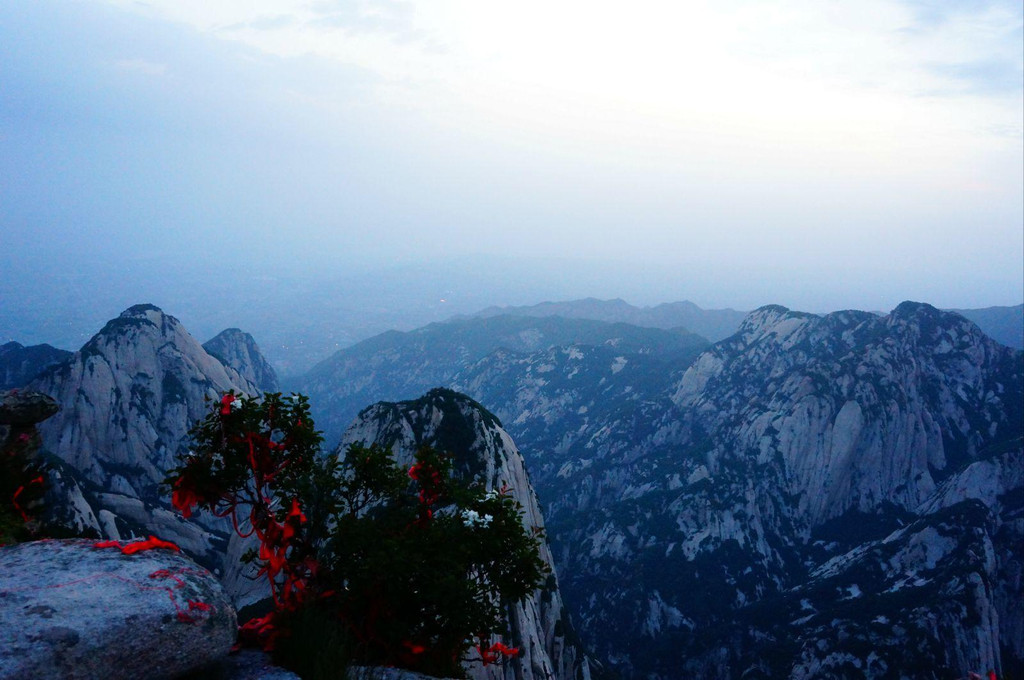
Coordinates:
[128,399]
[238,349]
[862,410]
[485,453]
[570,401]
[780,513]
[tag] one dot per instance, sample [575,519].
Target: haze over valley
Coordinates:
[362,161]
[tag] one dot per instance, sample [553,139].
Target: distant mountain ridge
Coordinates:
[394,366]
[713,324]
[19,364]
[1003,324]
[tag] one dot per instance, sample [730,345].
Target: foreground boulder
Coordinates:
[20,412]
[23,409]
[71,610]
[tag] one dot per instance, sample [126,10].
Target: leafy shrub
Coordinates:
[22,486]
[408,567]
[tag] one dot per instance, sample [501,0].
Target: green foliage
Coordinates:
[396,567]
[427,565]
[22,486]
[246,443]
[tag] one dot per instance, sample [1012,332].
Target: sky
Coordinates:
[813,153]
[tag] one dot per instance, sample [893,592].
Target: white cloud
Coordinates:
[802,72]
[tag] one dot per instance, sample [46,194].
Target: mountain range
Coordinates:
[812,496]
[394,366]
[1003,324]
[713,324]
[690,500]
[301,318]
[128,398]
[803,501]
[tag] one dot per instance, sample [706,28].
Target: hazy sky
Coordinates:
[816,153]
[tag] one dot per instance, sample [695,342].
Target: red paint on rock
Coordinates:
[151,543]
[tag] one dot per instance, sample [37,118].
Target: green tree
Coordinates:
[410,567]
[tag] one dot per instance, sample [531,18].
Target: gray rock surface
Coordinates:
[247,664]
[238,349]
[72,611]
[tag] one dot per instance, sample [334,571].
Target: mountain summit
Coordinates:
[128,399]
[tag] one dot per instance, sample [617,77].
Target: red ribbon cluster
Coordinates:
[430,484]
[260,632]
[20,490]
[276,538]
[184,498]
[494,653]
[287,570]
